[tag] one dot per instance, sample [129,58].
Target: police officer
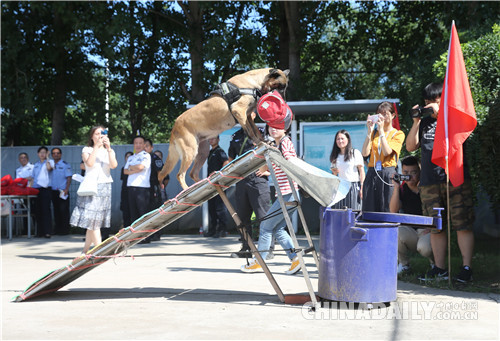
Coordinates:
[155,195]
[252,193]
[60,179]
[26,169]
[217,158]
[138,169]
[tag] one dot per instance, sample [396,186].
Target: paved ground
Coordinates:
[163,293]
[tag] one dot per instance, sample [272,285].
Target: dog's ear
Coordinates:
[273,71]
[286,72]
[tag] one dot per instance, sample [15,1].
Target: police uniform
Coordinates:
[59,180]
[252,193]
[155,189]
[138,185]
[24,171]
[216,208]
[42,203]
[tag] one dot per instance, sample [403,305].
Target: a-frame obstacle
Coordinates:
[322,186]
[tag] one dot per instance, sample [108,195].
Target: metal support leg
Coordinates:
[301,253]
[250,242]
[29,216]
[304,224]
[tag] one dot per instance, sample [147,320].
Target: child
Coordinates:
[276,225]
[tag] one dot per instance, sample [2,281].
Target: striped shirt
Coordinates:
[288,151]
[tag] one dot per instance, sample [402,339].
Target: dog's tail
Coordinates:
[172,158]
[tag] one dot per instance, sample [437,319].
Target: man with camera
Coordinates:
[406,199]
[433,190]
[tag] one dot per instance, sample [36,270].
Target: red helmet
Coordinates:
[273,110]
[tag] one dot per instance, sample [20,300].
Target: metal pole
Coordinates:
[106,106]
[250,242]
[292,232]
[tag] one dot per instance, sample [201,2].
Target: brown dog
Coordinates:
[207,119]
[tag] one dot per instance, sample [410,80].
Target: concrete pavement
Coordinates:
[187,287]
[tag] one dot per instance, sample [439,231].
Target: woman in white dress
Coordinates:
[347,163]
[93,212]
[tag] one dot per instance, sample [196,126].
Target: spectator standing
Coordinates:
[347,163]
[252,193]
[61,179]
[124,207]
[25,171]
[406,199]
[138,169]
[41,181]
[383,143]
[433,192]
[166,179]
[217,158]
[94,212]
[155,195]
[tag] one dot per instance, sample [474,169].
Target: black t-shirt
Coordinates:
[410,201]
[156,166]
[240,144]
[430,174]
[216,159]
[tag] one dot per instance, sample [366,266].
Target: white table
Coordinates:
[23,211]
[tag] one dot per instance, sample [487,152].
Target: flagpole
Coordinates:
[448,217]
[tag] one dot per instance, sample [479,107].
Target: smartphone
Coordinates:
[373,118]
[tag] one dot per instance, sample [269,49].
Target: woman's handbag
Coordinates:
[88,187]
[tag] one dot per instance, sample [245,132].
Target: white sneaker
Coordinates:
[294,267]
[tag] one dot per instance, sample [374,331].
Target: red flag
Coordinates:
[457,117]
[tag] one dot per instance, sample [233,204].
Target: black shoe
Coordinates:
[434,274]
[465,275]
[243,253]
[209,234]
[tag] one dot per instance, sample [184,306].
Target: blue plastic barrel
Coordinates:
[358,260]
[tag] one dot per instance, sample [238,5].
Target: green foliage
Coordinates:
[163,55]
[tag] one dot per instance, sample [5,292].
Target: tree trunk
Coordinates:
[293,24]
[131,83]
[284,39]
[60,82]
[194,15]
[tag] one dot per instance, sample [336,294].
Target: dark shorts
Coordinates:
[461,204]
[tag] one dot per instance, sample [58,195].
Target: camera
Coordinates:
[400,177]
[420,111]
[104,132]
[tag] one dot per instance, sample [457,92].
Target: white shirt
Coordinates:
[349,170]
[140,179]
[24,171]
[101,164]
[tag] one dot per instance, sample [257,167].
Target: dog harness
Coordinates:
[231,93]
